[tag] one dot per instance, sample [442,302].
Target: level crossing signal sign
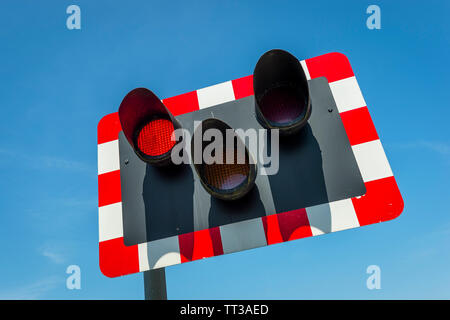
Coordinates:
[330,172]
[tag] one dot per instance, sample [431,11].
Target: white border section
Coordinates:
[110,224]
[347,94]
[108,157]
[372,161]
[217,94]
[159,253]
[305,69]
[243,235]
[332,217]
[143,257]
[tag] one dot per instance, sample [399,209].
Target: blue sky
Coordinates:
[56,84]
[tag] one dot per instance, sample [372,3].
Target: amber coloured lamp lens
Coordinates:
[227,176]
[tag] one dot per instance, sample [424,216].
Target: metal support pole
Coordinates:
[155,284]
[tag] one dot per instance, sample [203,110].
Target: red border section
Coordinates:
[333,66]
[108,128]
[382,202]
[200,244]
[359,126]
[116,259]
[243,87]
[286,226]
[182,103]
[109,189]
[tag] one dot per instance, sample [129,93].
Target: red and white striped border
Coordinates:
[382,201]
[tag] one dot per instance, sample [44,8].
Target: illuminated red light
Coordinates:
[155,138]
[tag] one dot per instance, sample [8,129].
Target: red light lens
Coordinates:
[154,139]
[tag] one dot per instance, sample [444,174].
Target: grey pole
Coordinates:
[155,284]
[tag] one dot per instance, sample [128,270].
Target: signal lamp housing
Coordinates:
[226,181]
[282,99]
[148,126]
